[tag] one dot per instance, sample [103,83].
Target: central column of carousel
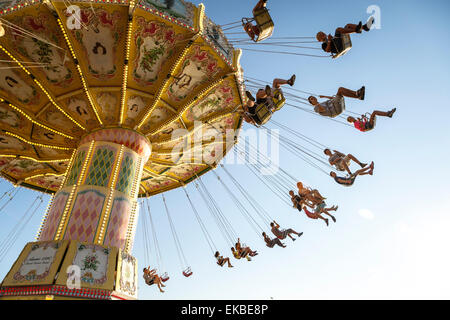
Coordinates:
[90,224]
[98,199]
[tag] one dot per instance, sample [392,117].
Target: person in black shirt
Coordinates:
[263,96]
[329,43]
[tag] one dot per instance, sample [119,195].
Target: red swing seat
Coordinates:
[188,272]
[164,277]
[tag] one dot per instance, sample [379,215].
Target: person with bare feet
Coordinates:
[151,278]
[221,260]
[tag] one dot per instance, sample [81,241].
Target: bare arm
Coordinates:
[339,153]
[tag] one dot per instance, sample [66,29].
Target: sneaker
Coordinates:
[250,96]
[359,27]
[326,221]
[369,24]
[291,81]
[334,219]
[391,113]
[300,234]
[361,93]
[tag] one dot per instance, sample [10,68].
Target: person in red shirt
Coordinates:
[365,123]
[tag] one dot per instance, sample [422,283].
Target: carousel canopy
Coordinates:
[158,68]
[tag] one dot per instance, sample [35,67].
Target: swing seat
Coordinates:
[278,99]
[164,277]
[188,272]
[262,114]
[344,43]
[264,24]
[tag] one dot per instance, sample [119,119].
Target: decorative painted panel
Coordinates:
[155,42]
[54,216]
[85,215]
[199,67]
[99,40]
[127,173]
[179,9]
[127,275]
[102,162]
[37,264]
[74,173]
[97,265]
[118,223]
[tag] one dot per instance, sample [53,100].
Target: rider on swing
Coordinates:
[264,96]
[367,123]
[252,30]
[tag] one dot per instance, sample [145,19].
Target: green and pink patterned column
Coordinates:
[97,203]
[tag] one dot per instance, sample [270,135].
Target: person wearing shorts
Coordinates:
[221,260]
[365,123]
[332,44]
[317,214]
[272,242]
[282,234]
[342,161]
[335,105]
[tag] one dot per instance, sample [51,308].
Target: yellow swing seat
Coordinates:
[262,114]
[278,99]
[264,24]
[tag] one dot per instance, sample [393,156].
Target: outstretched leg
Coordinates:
[349,93]
[278,242]
[325,211]
[290,231]
[353,158]
[364,171]
[277,83]
[227,260]
[350,28]
[310,214]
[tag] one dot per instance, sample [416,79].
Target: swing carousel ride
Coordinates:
[101,104]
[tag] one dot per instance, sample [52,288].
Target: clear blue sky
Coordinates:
[391,238]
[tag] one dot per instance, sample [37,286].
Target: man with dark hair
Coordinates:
[332,44]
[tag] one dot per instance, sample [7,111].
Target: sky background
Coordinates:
[391,237]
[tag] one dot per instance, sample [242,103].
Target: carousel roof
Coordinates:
[155,67]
